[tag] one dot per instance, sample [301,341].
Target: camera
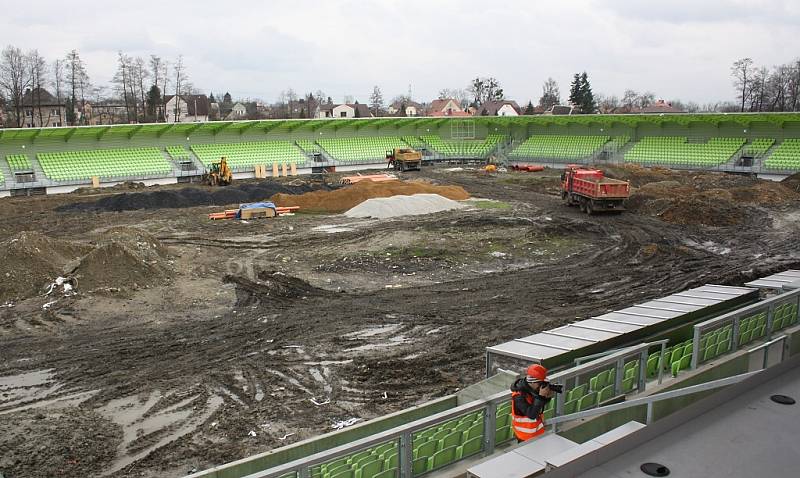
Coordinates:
[554,387]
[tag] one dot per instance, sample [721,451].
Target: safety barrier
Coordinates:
[733,330]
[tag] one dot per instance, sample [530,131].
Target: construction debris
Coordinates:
[253,211]
[368,177]
[530,168]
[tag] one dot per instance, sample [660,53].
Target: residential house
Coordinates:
[446,107]
[105,112]
[412,108]
[42,109]
[499,108]
[238,111]
[344,110]
[659,106]
[189,108]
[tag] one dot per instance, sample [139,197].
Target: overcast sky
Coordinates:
[679,49]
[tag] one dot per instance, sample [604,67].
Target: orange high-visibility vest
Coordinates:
[525,428]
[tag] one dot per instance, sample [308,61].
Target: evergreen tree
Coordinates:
[588,105]
[153,100]
[70,106]
[529,109]
[575,98]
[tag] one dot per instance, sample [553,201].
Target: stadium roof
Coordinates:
[214,127]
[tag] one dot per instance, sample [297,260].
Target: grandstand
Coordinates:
[560,148]
[62,159]
[786,156]
[678,151]
[699,340]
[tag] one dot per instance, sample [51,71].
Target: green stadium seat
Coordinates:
[453,439]
[419,465]
[606,393]
[388,473]
[628,385]
[442,457]
[470,447]
[652,366]
[246,155]
[391,460]
[369,469]
[348,473]
[474,431]
[677,151]
[110,163]
[461,149]
[559,147]
[570,406]
[19,162]
[502,434]
[426,449]
[587,401]
[786,156]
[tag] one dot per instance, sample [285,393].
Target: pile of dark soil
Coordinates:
[127,258]
[191,197]
[792,182]
[29,261]
[348,197]
[271,287]
[86,442]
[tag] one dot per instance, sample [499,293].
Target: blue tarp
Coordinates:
[253,205]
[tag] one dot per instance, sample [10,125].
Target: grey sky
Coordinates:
[677,48]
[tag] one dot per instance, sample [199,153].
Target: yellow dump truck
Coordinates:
[404,159]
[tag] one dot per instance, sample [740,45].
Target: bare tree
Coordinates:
[14,78]
[180,79]
[376,100]
[141,74]
[550,94]
[122,80]
[742,71]
[461,96]
[38,74]
[58,84]
[78,83]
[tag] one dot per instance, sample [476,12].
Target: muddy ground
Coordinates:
[191,343]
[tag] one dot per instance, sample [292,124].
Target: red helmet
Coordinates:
[537,372]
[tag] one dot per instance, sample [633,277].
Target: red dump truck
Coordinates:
[590,190]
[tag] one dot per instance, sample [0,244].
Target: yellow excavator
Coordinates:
[219,173]
[404,159]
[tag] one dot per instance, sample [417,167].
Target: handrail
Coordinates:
[649,401]
[734,317]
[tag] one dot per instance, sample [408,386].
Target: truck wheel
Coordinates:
[589,208]
[582,204]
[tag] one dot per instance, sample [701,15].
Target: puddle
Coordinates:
[332,228]
[171,423]
[372,331]
[25,388]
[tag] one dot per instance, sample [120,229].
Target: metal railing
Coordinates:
[649,401]
[734,320]
[487,407]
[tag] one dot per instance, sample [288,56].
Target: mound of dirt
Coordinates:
[191,197]
[792,182]
[271,287]
[345,198]
[397,206]
[704,210]
[765,193]
[46,443]
[127,258]
[29,261]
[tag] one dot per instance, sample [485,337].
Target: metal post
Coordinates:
[770,315]
[695,347]
[489,428]
[406,456]
[649,418]
[643,369]
[735,334]
[303,472]
[618,376]
[488,364]
[661,362]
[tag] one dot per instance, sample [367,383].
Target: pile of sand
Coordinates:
[396,206]
[345,198]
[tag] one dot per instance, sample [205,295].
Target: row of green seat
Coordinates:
[415,142]
[361,150]
[759,146]
[786,156]
[463,148]
[308,146]
[105,163]
[19,162]
[440,445]
[178,153]
[559,147]
[249,154]
[677,151]
[618,142]
[379,461]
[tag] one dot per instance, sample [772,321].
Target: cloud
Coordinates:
[677,49]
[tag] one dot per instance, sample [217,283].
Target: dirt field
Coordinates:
[190,342]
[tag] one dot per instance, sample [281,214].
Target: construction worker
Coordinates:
[529,395]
